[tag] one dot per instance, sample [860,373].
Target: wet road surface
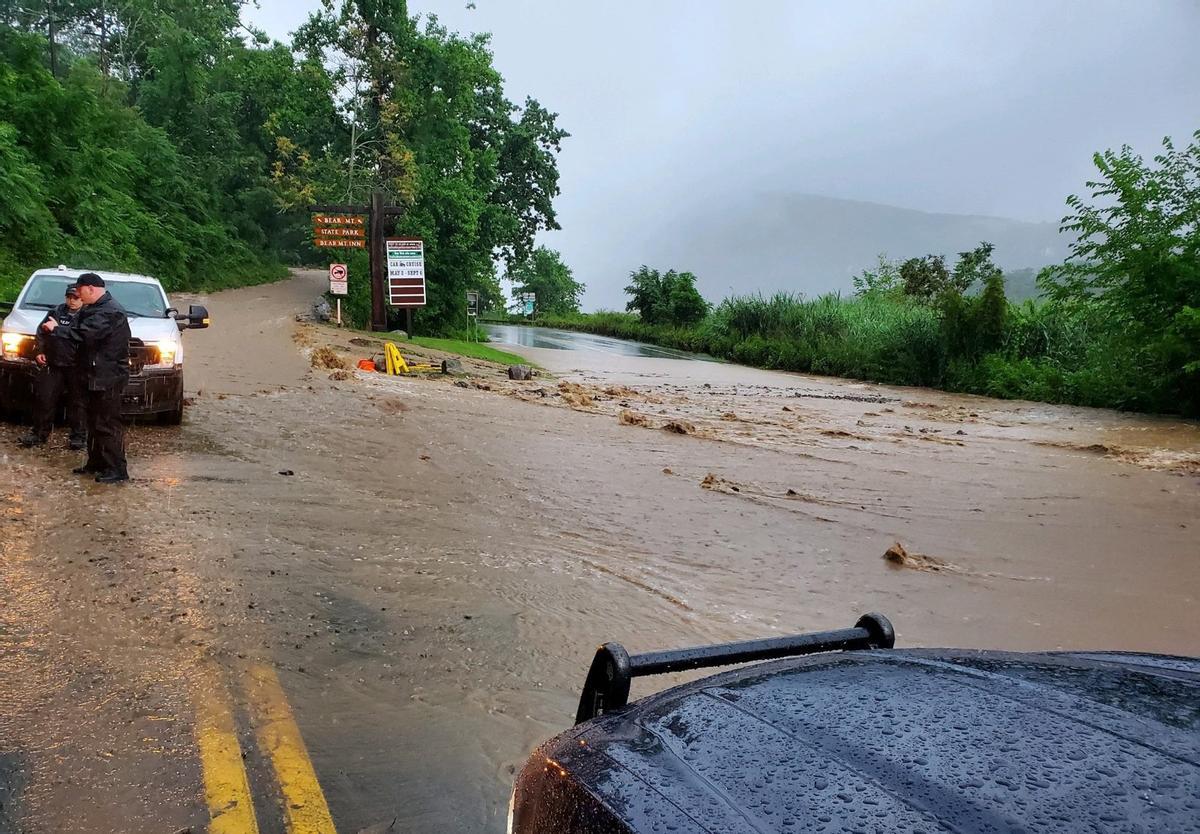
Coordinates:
[385,633]
[551,339]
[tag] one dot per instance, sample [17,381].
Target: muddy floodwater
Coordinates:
[426,565]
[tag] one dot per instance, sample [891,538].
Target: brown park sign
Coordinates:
[340,242]
[338,231]
[338,220]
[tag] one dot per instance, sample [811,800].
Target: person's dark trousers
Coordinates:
[106,432]
[48,390]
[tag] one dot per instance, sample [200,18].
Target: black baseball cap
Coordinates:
[89,279]
[72,291]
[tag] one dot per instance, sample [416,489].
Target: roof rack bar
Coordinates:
[613,668]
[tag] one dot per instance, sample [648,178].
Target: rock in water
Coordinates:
[453,367]
[520,372]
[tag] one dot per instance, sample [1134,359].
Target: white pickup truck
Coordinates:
[155,349]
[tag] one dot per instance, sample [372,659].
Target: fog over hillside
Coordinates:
[807,243]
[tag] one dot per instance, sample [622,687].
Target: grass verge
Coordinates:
[474,350]
[458,347]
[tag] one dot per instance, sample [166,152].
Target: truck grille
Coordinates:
[141,355]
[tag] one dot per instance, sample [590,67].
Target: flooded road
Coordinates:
[547,338]
[412,607]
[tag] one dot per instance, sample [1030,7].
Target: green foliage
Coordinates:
[89,182]
[151,135]
[1137,263]
[991,312]
[914,325]
[883,280]
[926,277]
[973,325]
[544,273]
[425,120]
[472,349]
[665,298]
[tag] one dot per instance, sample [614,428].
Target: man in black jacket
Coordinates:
[57,375]
[101,332]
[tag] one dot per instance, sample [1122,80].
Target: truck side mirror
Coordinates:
[198,317]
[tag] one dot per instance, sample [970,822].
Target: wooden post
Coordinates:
[378,264]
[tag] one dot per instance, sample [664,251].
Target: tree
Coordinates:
[884,279]
[166,135]
[973,268]
[1136,260]
[115,192]
[665,298]
[972,326]
[429,124]
[926,277]
[544,274]
[991,312]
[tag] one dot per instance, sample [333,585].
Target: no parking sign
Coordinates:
[338,279]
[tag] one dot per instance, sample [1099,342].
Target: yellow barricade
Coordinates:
[396,365]
[394,359]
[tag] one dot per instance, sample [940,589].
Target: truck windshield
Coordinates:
[139,300]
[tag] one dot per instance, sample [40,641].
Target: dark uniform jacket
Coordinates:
[60,353]
[101,332]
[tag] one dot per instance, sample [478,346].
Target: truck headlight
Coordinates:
[166,353]
[12,344]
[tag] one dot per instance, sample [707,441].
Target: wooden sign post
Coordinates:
[360,227]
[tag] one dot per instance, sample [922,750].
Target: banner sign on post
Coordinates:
[472,304]
[338,279]
[405,272]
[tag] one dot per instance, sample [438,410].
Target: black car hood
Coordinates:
[918,740]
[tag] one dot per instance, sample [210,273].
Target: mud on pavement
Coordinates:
[399,582]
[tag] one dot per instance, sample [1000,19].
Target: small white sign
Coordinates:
[339,279]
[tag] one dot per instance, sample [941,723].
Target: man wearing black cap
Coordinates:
[57,375]
[101,333]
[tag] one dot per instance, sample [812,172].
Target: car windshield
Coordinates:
[139,300]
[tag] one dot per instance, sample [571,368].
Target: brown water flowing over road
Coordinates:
[428,583]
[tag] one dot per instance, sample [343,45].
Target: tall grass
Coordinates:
[1048,352]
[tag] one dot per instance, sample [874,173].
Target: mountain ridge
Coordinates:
[814,244]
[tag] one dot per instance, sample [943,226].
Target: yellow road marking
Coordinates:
[304,806]
[226,788]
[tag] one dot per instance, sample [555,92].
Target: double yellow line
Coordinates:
[226,785]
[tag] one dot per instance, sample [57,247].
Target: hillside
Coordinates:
[811,244]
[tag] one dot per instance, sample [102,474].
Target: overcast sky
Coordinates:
[961,107]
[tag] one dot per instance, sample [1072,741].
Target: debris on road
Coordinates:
[326,357]
[899,556]
[575,395]
[717,484]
